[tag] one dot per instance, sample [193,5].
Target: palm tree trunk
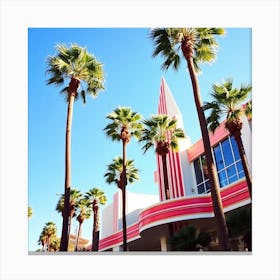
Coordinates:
[67,186]
[213,176]
[78,236]
[95,232]
[244,161]
[124,182]
[165,177]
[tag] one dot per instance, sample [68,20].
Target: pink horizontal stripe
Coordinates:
[197,148]
[178,208]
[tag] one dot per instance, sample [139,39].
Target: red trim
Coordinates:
[197,148]
[179,209]
[179,166]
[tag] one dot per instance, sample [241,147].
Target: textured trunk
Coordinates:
[73,86]
[78,236]
[95,232]
[213,176]
[165,177]
[124,183]
[237,137]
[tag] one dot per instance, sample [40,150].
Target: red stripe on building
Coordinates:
[197,149]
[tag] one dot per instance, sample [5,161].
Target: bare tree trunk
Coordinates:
[165,177]
[244,161]
[78,237]
[73,86]
[213,176]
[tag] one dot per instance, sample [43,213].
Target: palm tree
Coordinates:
[48,233]
[83,206]
[75,196]
[96,197]
[85,76]
[229,102]
[161,133]
[239,223]
[190,239]
[30,211]
[124,124]
[197,45]
[114,175]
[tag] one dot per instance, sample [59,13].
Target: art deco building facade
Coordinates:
[190,202]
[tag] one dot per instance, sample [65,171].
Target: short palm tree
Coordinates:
[83,206]
[75,196]
[190,239]
[197,45]
[96,197]
[48,233]
[161,132]
[124,124]
[228,102]
[114,175]
[30,211]
[84,75]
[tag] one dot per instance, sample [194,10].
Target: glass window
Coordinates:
[235,148]
[240,170]
[228,163]
[218,157]
[227,152]
[232,174]
[198,172]
[223,178]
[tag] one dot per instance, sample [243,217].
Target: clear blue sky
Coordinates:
[132,79]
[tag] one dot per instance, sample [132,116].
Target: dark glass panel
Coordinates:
[200,189]
[207,185]
[231,173]
[218,158]
[240,169]
[235,149]
[223,178]
[197,169]
[227,152]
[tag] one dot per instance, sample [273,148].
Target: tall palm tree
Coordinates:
[75,196]
[197,45]
[124,124]
[48,233]
[161,132]
[228,102]
[114,175]
[84,75]
[84,208]
[96,197]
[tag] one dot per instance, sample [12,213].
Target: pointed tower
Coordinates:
[175,160]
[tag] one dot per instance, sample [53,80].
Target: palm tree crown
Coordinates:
[161,131]
[228,102]
[124,124]
[115,170]
[76,64]
[198,43]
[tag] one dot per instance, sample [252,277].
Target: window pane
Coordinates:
[227,153]
[207,185]
[200,189]
[223,178]
[240,169]
[218,158]
[235,149]
[197,170]
[204,167]
[231,172]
